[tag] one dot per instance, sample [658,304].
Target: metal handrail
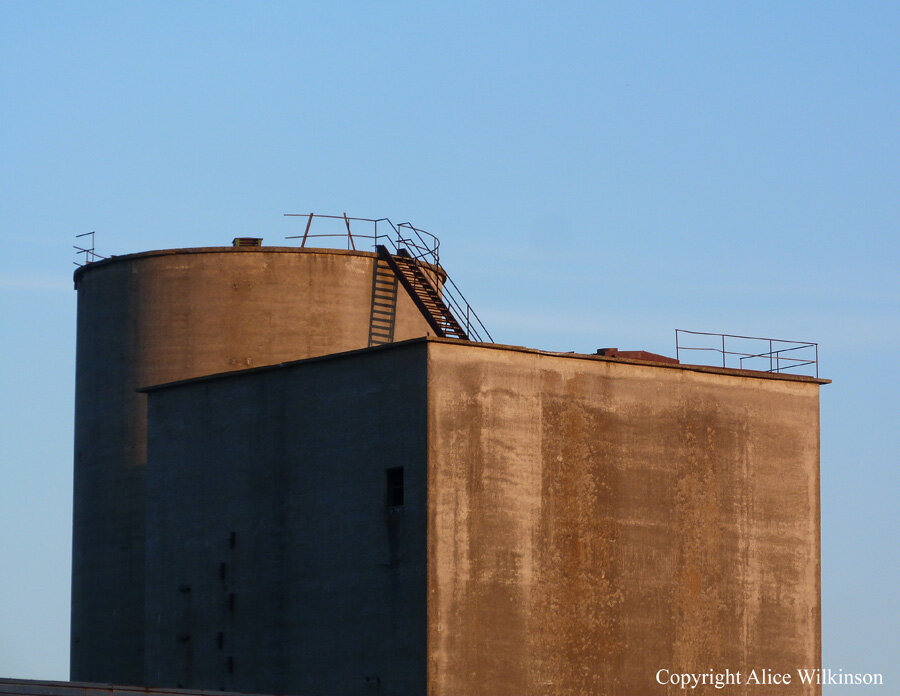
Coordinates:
[90,255]
[422,246]
[777,361]
[425,245]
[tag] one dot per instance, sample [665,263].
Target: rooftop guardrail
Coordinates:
[762,354]
[422,246]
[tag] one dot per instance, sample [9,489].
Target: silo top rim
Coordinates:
[220,250]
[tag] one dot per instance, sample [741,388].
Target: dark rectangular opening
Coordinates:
[394,486]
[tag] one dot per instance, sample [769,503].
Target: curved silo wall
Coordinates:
[163,316]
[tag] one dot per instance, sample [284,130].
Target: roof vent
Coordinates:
[246,241]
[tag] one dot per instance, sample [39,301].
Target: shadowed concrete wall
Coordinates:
[592,521]
[161,316]
[273,562]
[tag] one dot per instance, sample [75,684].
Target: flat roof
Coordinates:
[730,371]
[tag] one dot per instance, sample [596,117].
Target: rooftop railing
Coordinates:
[422,246]
[87,253]
[751,352]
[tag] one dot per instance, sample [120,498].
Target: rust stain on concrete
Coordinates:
[591,522]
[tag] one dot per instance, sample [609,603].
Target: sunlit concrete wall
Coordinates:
[592,521]
[161,316]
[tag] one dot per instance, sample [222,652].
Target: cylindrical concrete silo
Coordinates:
[162,316]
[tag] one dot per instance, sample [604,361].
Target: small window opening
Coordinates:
[394,486]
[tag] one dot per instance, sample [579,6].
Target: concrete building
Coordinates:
[423,515]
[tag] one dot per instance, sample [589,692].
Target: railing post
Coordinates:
[770,355]
[723,350]
[306,233]
[350,243]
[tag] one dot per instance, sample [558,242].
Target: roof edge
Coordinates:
[290,363]
[710,369]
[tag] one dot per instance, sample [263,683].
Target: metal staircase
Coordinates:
[409,256]
[423,292]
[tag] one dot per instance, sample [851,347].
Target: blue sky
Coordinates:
[600,174]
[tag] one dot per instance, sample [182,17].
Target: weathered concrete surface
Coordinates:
[591,521]
[273,562]
[161,316]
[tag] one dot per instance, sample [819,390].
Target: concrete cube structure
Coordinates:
[442,517]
